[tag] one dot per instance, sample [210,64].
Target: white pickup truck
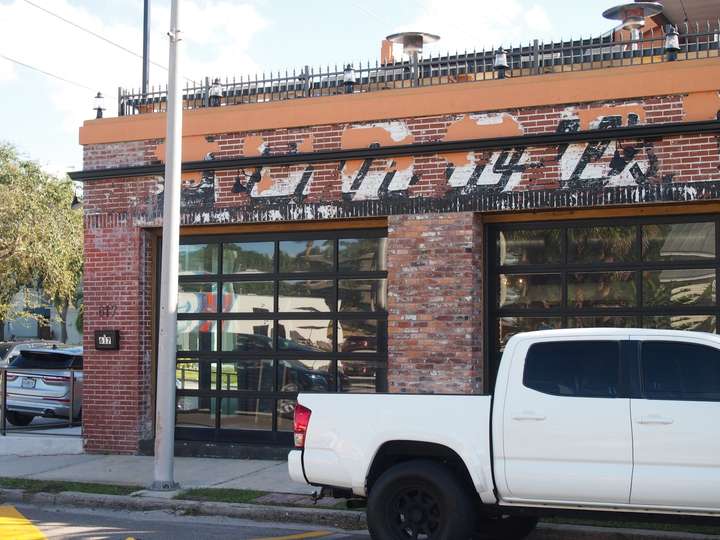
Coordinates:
[605,421]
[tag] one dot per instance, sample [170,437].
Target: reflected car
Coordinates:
[11,349]
[44,386]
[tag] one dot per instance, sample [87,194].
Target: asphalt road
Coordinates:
[56,523]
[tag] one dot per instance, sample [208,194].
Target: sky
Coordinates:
[40,114]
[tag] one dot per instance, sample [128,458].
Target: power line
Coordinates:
[58,77]
[94,34]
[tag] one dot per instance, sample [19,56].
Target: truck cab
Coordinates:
[592,420]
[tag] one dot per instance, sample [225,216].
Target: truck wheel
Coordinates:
[18,419]
[505,527]
[421,500]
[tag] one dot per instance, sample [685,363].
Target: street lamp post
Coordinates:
[163,477]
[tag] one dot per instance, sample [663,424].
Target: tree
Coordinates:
[41,236]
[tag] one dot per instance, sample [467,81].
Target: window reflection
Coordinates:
[358,336]
[602,244]
[307,256]
[248,375]
[246,413]
[197,336]
[196,259]
[248,258]
[602,321]
[362,294]
[601,290]
[304,335]
[697,323]
[357,376]
[248,297]
[530,290]
[308,296]
[195,412]
[196,376]
[678,241]
[535,246]
[197,298]
[694,287]
[306,376]
[509,326]
[362,254]
[247,336]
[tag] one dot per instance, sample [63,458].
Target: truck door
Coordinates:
[567,433]
[676,425]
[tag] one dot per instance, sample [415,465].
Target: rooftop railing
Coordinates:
[535,59]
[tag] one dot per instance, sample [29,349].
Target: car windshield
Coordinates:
[36,360]
[4,348]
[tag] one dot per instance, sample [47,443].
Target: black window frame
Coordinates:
[277,355]
[493,314]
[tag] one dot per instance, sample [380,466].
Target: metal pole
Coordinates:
[146,47]
[163,479]
[71,414]
[3,384]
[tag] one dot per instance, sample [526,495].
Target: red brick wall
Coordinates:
[434,303]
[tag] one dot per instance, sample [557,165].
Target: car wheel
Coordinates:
[504,527]
[19,419]
[420,500]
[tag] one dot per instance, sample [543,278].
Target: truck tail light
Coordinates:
[11,377]
[300,425]
[55,380]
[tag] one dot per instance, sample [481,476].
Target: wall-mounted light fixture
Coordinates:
[99,102]
[501,62]
[672,42]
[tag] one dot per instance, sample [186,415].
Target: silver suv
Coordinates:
[39,384]
[10,349]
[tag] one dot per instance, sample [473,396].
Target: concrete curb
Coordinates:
[323,517]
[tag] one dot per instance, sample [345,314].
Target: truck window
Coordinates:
[680,371]
[574,368]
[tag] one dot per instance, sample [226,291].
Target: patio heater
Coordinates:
[633,17]
[412,43]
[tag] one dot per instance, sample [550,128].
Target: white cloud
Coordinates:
[470,24]
[217,34]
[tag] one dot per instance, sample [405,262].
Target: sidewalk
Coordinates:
[261,475]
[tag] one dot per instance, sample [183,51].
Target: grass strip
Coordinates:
[647,525]
[56,486]
[221,495]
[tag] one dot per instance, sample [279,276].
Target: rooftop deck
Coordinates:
[532,60]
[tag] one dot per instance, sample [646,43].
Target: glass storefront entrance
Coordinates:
[263,317]
[647,273]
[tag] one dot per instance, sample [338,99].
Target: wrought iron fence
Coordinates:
[695,42]
[11,400]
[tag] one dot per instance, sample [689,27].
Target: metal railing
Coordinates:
[535,59]
[6,396]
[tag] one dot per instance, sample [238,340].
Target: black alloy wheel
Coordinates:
[420,500]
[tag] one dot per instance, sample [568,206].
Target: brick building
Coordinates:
[394,238]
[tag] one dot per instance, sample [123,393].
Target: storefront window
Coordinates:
[652,273]
[264,317]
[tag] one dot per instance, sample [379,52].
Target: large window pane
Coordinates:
[195,412]
[285,414]
[307,256]
[307,296]
[574,369]
[602,321]
[509,326]
[196,375]
[530,290]
[691,287]
[197,297]
[249,258]
[362,254]
[602,244]
[358,335]
[305,336]
[530,246]
[197,336]
[601,290]
[247,336]
[306,376]
[680,371]
[248,375]
[679,241]
[198,259]
[696,323]
[362,294]
[248,297]
[358,376]
[246,413]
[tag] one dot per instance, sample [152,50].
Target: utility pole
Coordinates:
[146,47]
[163,478]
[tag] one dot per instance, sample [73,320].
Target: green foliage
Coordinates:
[41,237]
[58,486]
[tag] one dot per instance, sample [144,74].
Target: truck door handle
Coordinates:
[655,420]
[529,416]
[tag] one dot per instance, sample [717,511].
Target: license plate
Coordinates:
[27,382]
